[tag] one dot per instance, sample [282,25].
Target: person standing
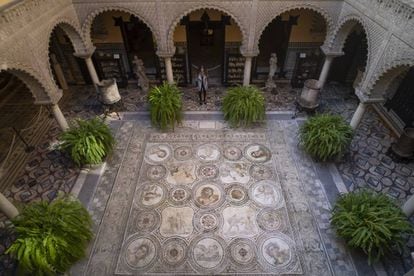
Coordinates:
[202,84]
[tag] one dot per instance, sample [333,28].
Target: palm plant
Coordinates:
[243,105]
[325,136]
[88,142]
[372,222]
[51,236]
[165,105]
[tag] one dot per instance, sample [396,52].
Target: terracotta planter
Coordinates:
[310,92]
[109,91]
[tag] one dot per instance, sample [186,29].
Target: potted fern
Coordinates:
[88,141]
[165,105]
[325,136]
[51,237]
[371,222]
[243,106]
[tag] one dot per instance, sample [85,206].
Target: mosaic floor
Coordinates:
[213,200]
[209,200]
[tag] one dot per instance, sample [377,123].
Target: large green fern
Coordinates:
[325,136]
[372,222]
[243,105]
[51,236]
[165,105]
[88,142]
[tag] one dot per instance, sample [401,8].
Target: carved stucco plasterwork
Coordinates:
[26,27]
[26,51]
[145,11]
[269,10]
[397,57]
[175,11]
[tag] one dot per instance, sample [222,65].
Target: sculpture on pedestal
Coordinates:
[139,73]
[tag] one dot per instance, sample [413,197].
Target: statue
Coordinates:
[272,65]
[270,84]
[139,73]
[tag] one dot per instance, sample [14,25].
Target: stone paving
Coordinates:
[369,166]
[209,200]
[83,100]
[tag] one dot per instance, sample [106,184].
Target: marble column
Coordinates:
[87,56]
[92,70]
[59,73]
[325,70]
[61,120]
[408,207]
[7,208]
[169,70]
[357,117]
[247,70]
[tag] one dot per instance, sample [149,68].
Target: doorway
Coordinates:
[206,43]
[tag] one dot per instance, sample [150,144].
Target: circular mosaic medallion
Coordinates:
[183,153]
[207,221]
[242,253]
[266,194]
[158,153]
[276,251]
[208,152]
[179,195]
[146,221]
[261,172]
[232,153]
[181,173]
[151,195]
[257,153]
[139,253]
[208,195]
[208,171]
[234,172]
[237,194]
[208,254]
[271,220]
[174,251]
[156,172]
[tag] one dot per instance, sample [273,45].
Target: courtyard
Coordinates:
[208,199]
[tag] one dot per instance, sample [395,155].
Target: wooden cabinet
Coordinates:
[234,69]
[308,66]
[179,69]
[109,66]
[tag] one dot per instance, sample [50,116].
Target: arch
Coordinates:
[35,85]
[380,82]
[337,40]
[176,21]
[72,31]
[87,24]
[320,11]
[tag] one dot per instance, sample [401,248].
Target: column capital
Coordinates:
[365,98]
[86,53]
[329,53]
[249,53]
[166,54]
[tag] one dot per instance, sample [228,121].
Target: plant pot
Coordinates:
[109,91]
[404,147]
[309,96]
